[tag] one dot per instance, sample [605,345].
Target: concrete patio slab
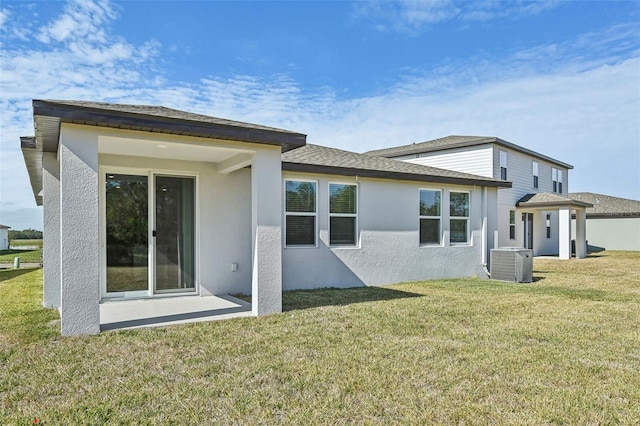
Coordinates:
[125,314]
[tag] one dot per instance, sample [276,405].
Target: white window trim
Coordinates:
[535,168]
[503,164]
[440,233]
[468,219]
[150,173]
[356,243]
[314,214]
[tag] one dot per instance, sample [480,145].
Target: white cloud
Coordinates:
[413,16]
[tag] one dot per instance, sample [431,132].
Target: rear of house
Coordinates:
[145,202]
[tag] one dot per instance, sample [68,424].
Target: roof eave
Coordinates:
[553,204]
[50,115]
[349,171]
[32,155]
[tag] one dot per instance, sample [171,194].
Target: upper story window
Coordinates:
[300,212]
[556,177]
[503,165]
[343,214]
[535,174]
[430,214]
[459,217]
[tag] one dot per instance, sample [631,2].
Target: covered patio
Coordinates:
[565,207]
[156,312]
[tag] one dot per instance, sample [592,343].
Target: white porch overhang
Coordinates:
[565,207]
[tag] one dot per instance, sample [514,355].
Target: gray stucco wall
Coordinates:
[613,233]
[388,250]
[79,260]
[51,229]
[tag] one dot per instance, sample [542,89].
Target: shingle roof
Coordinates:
[5,227]
[546,199]
[319,159]
[608,206]
[452,142]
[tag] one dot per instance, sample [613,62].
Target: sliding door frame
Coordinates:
[150,174]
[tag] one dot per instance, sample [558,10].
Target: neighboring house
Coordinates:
[613,223]
[535,212]
[144,201]
[4,237]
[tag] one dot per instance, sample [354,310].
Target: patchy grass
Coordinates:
[26,243]
[563,350]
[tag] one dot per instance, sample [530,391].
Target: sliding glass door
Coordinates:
[174,233]
[149,223]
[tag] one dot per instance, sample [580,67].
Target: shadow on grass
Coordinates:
[7,274]
[306,299]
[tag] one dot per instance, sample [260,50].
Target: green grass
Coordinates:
[26,256]
[563,350]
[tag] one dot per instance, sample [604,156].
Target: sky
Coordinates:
[559,77]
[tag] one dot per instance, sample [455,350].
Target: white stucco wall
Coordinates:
[612,233]
[388,250]
[51,229]
[79,241]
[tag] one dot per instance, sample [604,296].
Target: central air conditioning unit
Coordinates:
[512,264]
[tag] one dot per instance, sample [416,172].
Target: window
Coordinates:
[342,214]
[503,165]
[430,216]
[535,174]
[512,224]
[459,217]
[548,225]
[556,177]
[300,208]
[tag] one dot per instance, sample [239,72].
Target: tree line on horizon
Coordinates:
[25,234]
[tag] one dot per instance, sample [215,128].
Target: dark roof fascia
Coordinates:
[347,171]
[126,120]
[478,142]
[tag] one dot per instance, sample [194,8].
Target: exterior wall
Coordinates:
[622,233]
[79,239]
[51,229]
[388,249]
[4,238]
[476,160]
[223,216]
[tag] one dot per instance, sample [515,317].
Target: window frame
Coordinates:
[512,225]
[503,164]
[301,214]
[548,225]
[356,238]
[556,178]
[461,218]
[535,169]
[421,216]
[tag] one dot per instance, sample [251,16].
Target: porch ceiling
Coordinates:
[161,148]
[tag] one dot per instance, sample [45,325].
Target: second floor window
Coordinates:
[535,174]
[556,177]
[503,165]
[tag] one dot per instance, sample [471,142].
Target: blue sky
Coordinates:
[559,77]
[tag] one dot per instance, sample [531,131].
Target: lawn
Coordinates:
[29,251]
[562,350]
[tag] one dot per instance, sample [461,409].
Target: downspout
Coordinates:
[484,232]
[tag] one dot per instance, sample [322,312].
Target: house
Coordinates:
[535,212]
[4,237]
[149,202]
[613,223]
